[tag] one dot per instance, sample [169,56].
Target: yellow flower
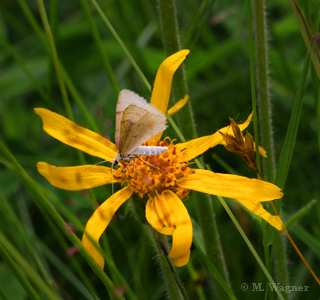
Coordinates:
[160,189]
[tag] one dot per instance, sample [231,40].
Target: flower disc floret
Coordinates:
[153,174]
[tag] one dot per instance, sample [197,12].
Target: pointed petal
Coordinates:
[162,85]
[198,146]
[181,103]
[261,151]
[258,210]
[76,136]
[230,186]
[75,178]
[99,222]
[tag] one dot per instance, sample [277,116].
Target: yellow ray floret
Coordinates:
[167,213]
[162,84]
[76,136]
[196,147]
[99,221]
[175,108]
[76,178]
[230,186]
[257,209]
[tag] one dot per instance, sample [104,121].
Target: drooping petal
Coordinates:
[182,236]
[162,84]
[258,210]
[182,260]
[230,186]
[154,219]
[181,103]
[75,178]
[167,214]
[76,136]
[99,222]
[198,146]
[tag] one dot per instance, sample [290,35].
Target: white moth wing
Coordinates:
[130,109]
[133,134]
[125,99]
[130,116]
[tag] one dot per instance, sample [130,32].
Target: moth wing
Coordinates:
[133,134]
[125,99]
[130,116]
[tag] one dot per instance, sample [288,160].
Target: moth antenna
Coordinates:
[112,178]
[101,162]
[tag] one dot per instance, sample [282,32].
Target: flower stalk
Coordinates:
[265,117]
[171,40]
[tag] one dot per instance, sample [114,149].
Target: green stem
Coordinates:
[124,48]
[43,203]
[251,248]
[265,114]
[204,207]
[173,292]
[54,54]
[265,117]
[172,45]
[18,273]
[98,42]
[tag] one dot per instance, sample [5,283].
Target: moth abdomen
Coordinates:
[149,150]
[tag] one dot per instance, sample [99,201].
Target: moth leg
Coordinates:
[134,169]
[149,164]
[127,166]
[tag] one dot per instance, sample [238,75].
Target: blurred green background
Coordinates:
[218,76]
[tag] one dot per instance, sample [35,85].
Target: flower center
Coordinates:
[154,174]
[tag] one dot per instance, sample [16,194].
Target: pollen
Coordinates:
[150,175]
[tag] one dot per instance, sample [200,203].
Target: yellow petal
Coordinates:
[154,219]
[182,261]
[164,211]
[99,222]
[230,186]
[162,84]
[75,178]
[76,136]
[167,214]
[181,103]
[258,210]
[182,235]
[261,151]
[197,146]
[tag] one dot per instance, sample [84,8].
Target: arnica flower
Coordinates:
[163,186]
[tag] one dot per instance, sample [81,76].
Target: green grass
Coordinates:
[94,50]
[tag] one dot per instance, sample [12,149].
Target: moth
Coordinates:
[136,122]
